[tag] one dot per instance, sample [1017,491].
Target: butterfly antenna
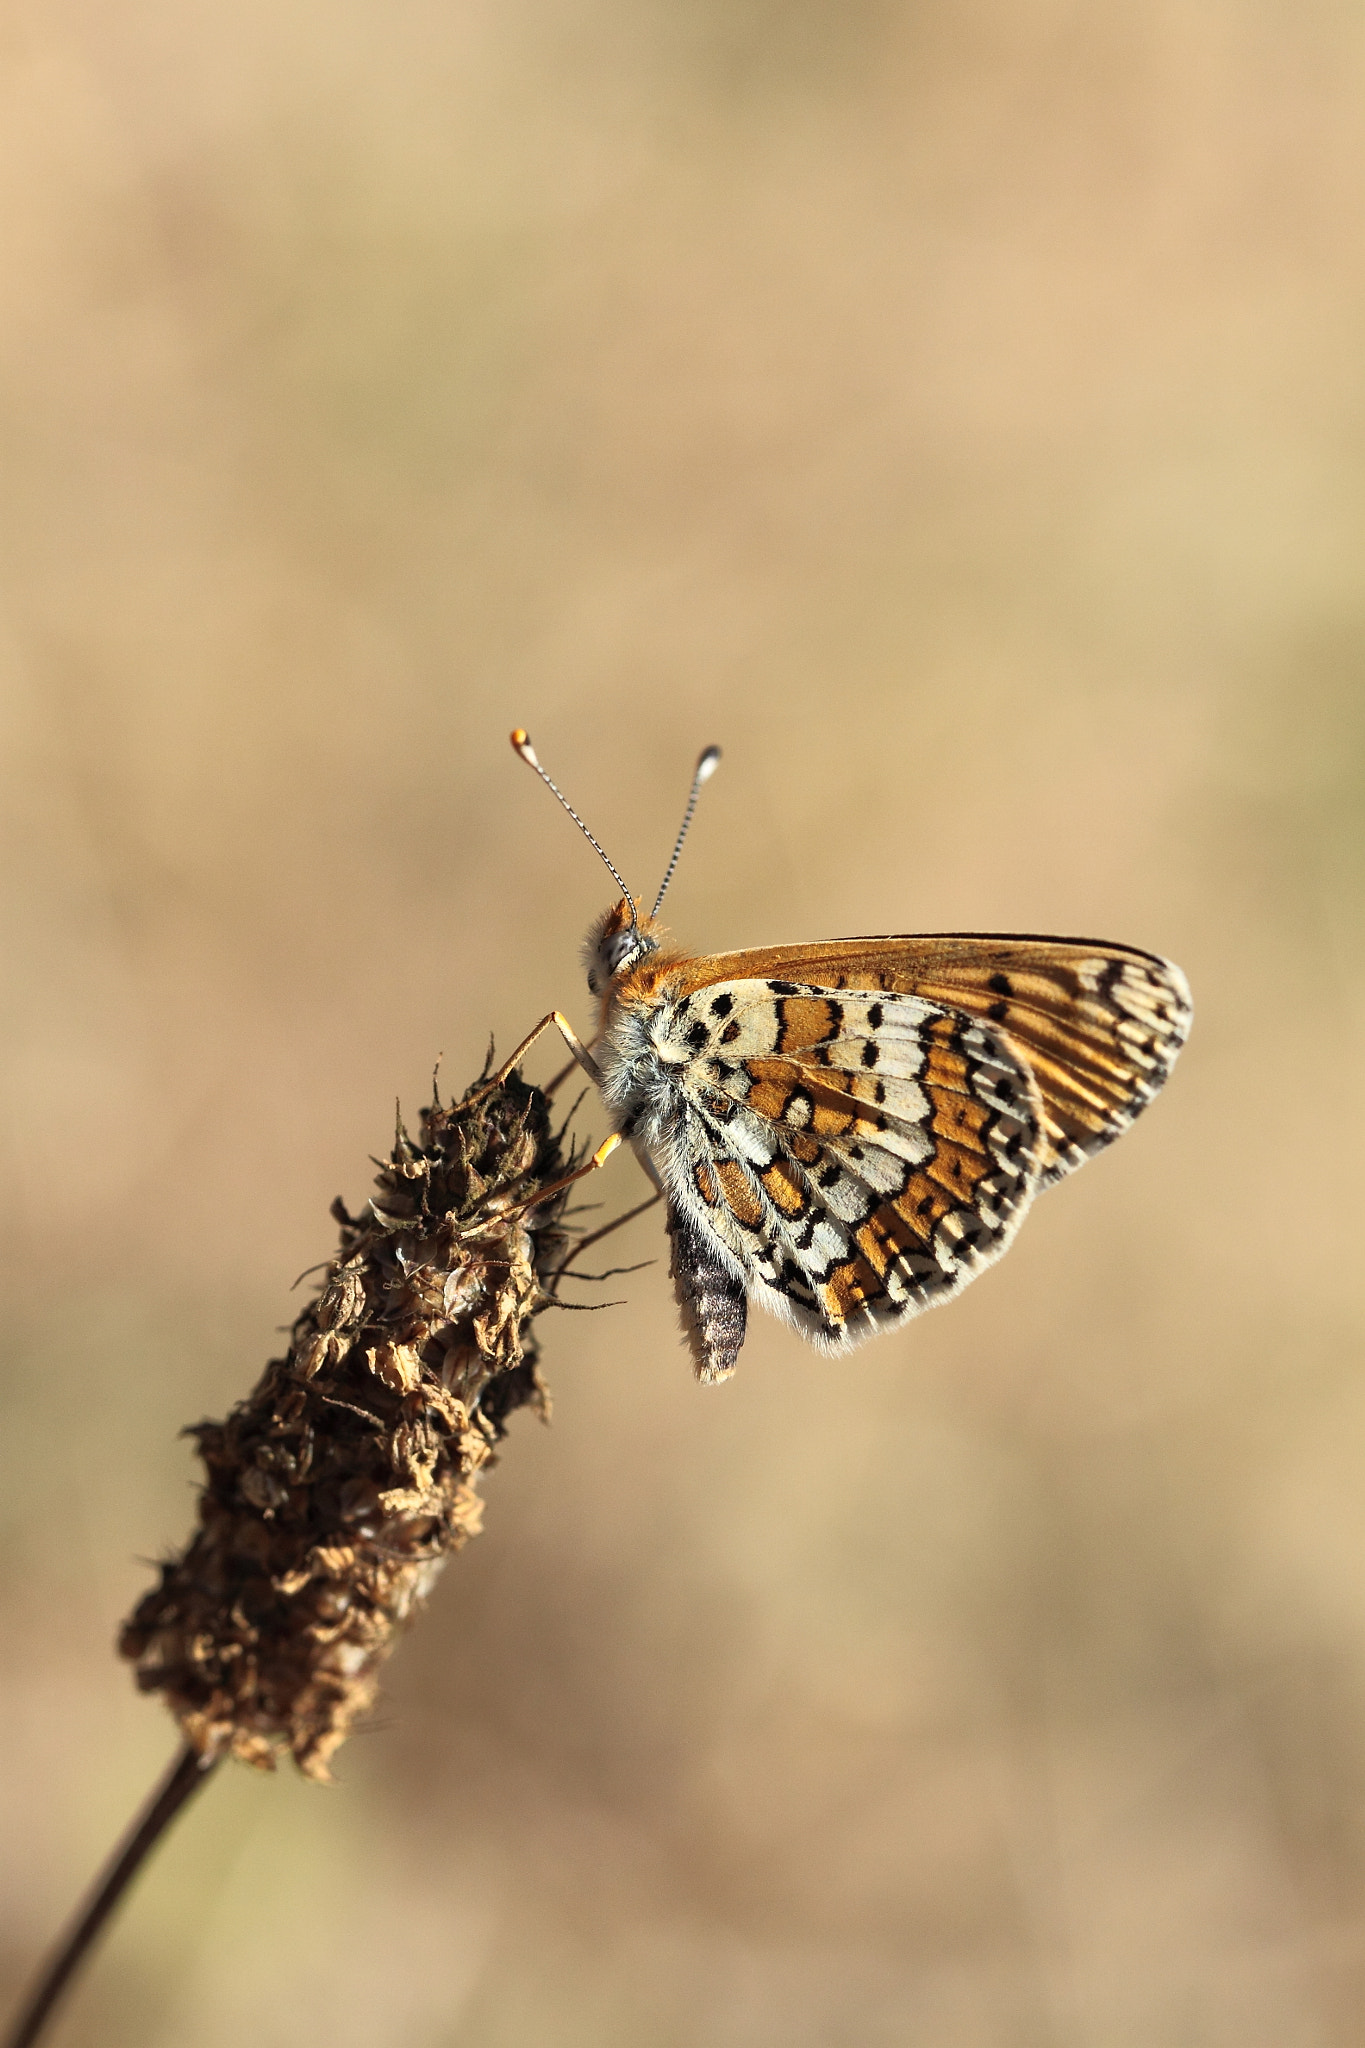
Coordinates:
[706,768]
[521,744]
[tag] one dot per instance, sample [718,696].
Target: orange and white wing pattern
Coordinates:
[1099,1025]
[847,1160]
[849,1133]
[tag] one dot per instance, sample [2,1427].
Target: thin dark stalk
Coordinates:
[184,1778]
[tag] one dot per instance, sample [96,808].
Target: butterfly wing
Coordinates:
[1098,1025]
[849,1161]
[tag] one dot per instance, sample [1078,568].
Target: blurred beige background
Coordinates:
[957,413]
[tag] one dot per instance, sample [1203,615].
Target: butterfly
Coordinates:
[848,1132]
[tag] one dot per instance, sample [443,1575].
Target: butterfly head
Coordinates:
[616,941]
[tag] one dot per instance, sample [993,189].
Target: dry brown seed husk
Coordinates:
[336,1491]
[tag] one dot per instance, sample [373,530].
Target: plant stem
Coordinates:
[184,1778]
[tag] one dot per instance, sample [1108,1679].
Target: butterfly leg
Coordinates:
[566,1031]
[557,1187]
[596,1236]
[557,1081]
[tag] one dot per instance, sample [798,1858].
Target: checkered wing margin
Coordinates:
[850,1159]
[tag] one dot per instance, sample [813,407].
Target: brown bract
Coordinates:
[336,1491]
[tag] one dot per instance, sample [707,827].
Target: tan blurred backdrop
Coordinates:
[957,413]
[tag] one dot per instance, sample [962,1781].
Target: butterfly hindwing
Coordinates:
[854,1159]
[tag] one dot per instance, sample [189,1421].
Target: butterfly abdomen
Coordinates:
[711,1297]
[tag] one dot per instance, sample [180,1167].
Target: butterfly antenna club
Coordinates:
[707,764]
[521,744]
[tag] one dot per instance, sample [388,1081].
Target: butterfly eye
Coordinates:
[630,944]
[618,951]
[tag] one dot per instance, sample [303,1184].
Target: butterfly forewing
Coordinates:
[1098,1025]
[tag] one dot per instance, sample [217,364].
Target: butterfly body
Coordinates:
[850,1132]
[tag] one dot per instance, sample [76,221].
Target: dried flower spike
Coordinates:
[336,1491]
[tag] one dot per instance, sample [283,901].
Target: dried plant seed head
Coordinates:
[335,1492]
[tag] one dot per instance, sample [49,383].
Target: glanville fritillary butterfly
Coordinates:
[847,1132]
